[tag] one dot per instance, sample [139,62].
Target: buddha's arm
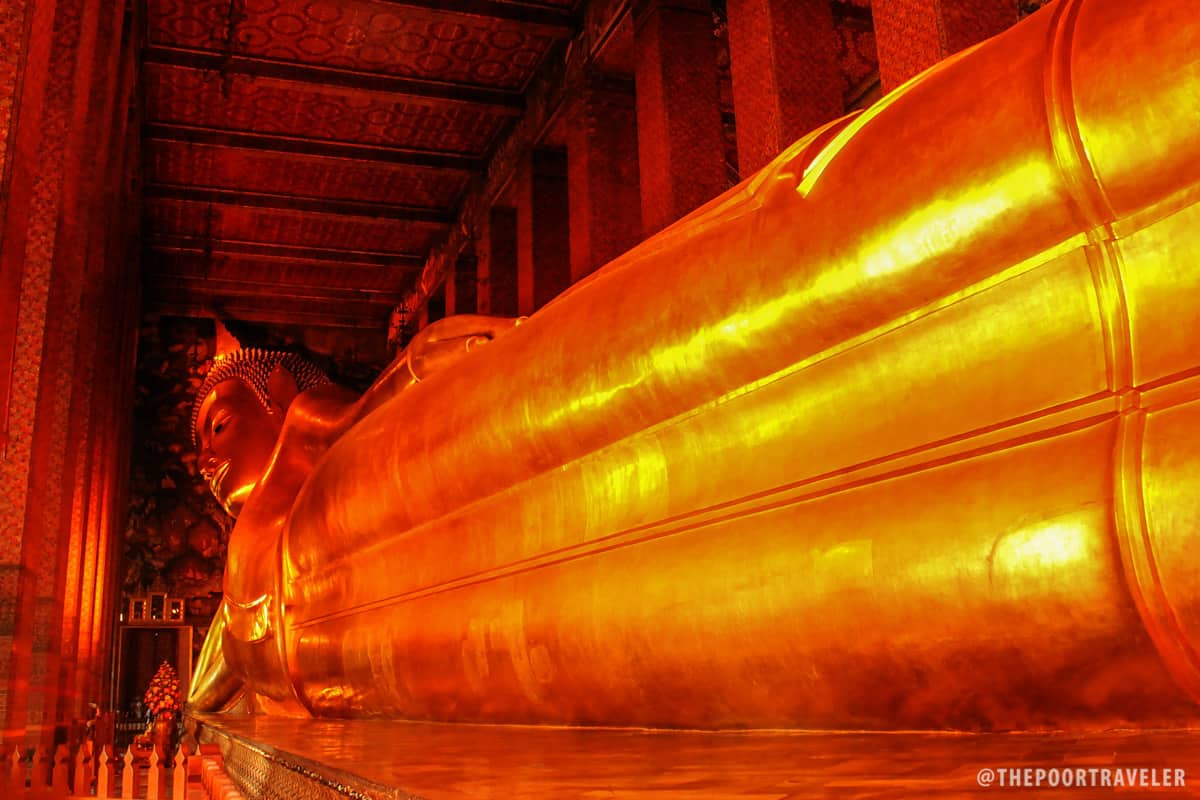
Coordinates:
[319,416]
[214,687]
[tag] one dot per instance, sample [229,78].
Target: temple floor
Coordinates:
[275,757]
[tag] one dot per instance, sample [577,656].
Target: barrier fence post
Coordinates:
[127,776]
[104,774]
[82,784]
[14,773]
[179,776]
[154,777]
[39,772]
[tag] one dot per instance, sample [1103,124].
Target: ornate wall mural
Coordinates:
[176,533]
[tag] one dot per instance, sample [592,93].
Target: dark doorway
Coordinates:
[143,649]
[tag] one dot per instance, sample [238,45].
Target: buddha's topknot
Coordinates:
[253,367]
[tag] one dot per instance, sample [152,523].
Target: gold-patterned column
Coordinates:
[602,172]
[681,145]
[913,35]
[786,81]
[59,183]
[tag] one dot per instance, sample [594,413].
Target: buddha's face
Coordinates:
[237,436]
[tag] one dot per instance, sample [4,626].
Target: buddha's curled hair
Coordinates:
[253,367]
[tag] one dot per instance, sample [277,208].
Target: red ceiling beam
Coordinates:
[560,23]
[404,262]
[284,202]
[191,134]
[192,265]
[263,316]
[280,301]
[193,285]
[499,101]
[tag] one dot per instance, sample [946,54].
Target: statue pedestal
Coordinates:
[276,758]
[163,733]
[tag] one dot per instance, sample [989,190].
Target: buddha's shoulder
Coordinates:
[318,416]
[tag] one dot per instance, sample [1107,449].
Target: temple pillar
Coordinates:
[102,153]
[496,266]
[44,282]
[602,173]
[681,149]
[110,303]
[543,238]
[461,287]
[64,79]
[786,80]
[99,484]
[450,290]
[435,306]
[482,241]
[913,35]
[111,435]
[111,470]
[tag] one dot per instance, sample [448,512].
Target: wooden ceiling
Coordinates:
[304,159]
[301,157]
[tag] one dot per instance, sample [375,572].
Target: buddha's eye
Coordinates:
[219,426]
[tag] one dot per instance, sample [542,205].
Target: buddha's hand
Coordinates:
[438,347]
[443,343]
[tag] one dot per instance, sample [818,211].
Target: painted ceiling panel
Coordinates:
[183,266]
[184,163]
[360,35]
[217,221]
[181,95]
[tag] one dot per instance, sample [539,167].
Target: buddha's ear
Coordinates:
[282,386]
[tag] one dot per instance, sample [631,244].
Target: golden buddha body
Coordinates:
[868,442]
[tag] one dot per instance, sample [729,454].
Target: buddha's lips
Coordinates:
[214,483]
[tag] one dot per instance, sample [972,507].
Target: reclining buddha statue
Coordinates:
[902,432]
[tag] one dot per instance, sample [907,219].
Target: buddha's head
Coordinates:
[238,414]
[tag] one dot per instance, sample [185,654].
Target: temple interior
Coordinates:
[338,178]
